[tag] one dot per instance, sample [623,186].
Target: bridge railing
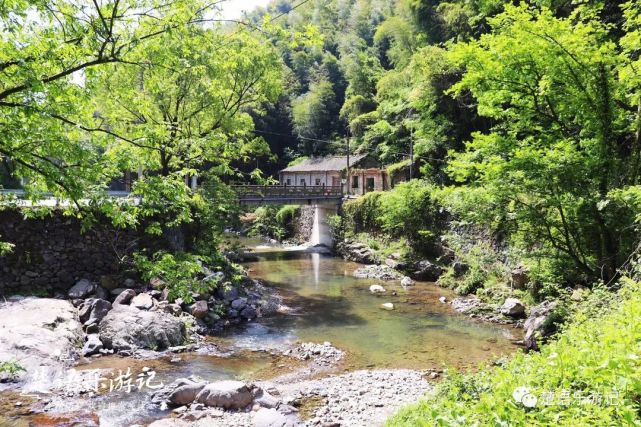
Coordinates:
[287,191]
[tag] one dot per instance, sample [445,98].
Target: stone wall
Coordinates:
[52,253]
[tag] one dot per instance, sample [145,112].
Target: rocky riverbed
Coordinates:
[361,398]
[253,374]
[49,334]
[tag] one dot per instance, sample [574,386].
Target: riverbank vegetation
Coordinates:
[589,376]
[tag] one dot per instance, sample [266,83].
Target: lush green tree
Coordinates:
[184,103]
[46,49]
[313,117]
[560,143]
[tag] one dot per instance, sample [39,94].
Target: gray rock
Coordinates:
[125,297]
[186,392]
[173,309]
[533,325]
[142,301]
[426,271]
[82,289]
[239,304]
[520,277]
[229,293]
[43,335]
[92,346]
[248,313]
[357,252]
[225,394]
[267,417]
[108,282]
[100,293]
[199,309]
[117,291]
[84,310]
[97,311]
[460,268]
[129,283]
[377,289]
[406,281]
[513,307]
[232,314]
[266,400]
[126,328]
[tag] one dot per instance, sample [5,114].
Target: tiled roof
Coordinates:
[329,163]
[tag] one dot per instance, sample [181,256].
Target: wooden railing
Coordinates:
[287,192]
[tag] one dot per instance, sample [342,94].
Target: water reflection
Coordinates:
[332,305]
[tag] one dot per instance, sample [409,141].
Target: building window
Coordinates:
[369,184]
[289,181]
[318,181]
[302,181]
[355,182]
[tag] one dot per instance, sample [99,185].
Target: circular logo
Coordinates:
[523,396]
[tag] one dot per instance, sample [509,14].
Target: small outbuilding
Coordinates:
[360,175]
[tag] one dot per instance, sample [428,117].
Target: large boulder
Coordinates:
[249,313]
[128,328]
[239,303]
[43,335]
[406,281]
[226,394]
[534,324]
[357,252]
[93,310]
[513,307]
[377,289]
[266,417]
[425,271]
[199,309]
[181,392]
[520,277]
[82,289]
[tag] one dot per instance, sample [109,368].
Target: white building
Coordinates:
[364,174]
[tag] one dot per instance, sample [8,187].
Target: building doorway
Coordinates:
[369,184]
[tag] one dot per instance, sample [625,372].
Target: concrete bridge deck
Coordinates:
[289,194]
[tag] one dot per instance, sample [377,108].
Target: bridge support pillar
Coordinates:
[321,234]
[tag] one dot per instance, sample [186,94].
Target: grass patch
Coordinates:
[589,376]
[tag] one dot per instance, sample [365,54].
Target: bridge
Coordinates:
[289,194]
[325,199]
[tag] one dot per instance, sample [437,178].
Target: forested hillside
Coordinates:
[526,117]
[380,74]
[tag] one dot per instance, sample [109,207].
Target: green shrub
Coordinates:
[182,272]
[596,357]
[363,214]
[473,280]
[408,211]
[11,369]
[274,222]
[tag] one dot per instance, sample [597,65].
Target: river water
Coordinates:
[330,304]
[327,303]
